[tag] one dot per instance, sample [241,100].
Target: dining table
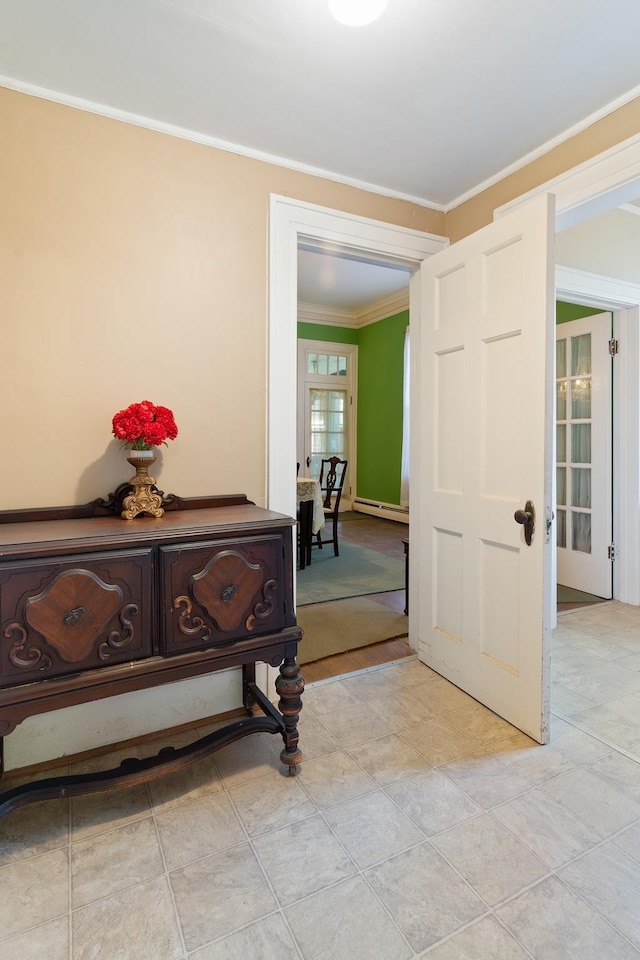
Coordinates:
[311,516]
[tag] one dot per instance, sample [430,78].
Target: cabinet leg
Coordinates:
[289,687]
[248,677]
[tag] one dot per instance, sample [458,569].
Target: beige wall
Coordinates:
[613,129]
[133,265]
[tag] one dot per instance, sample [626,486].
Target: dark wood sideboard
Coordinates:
[92,605]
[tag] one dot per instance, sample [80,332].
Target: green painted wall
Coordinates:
[380,380]
[565,312]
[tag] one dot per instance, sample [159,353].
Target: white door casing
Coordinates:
[584,487]
[485,449]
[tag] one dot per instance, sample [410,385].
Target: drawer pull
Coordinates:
[228,593]
[73,616]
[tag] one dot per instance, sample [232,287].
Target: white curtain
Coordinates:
[404,469]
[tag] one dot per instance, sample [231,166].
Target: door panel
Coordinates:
[486,365]
[583,454]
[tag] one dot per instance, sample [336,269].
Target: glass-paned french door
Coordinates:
[327,378]
[583,454]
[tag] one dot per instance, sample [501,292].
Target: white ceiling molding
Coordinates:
[171,130]
[545,148]
[336,317]
[595,186]
[594,290]
[630,208]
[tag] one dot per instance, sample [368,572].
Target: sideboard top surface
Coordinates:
[29,538]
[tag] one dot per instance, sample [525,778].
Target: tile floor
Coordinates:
[421,825]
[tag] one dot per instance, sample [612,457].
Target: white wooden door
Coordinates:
[486,368]
[583,453]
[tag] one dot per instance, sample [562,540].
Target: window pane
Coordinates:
[581,399]
[561,358]
[580,443]
[333,366]
[581,354]
[561,443]
[322,364]
[342,366]
[581,487]
[561,400]
[581,532]
[562,528]
[561,485]
[312,363]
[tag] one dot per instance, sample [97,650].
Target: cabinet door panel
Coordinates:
[223,592]
[59,617]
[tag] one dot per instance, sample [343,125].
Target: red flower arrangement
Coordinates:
[144,425]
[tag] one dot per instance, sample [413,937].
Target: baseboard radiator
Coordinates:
[389,511]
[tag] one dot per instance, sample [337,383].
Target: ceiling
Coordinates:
[431,102]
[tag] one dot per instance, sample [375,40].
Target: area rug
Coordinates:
[331,628]
[569,595]
[356,572]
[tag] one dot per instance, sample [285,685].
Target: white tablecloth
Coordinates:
[308,489]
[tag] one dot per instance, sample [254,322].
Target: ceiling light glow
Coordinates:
[357,13]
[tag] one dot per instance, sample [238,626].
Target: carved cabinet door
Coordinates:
[61,616]
[222,593]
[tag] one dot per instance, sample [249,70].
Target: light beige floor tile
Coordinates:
[483,940]
[51,940]
[267,939]
[328,698]
[485,779]
[356,723]
[569,748]
[605,682]
[441,697]
[621,772]
[424,895]
[627,706]
[302,858]
[220,894]
[193,781]
[135,923]
[438,741]
[114,861]
[546,827]
[345,922]
[197,830]
[101,812]
[248,759]
[371,686]
[372,828]
[480,724]
[604,722]
[490,858]
[600,805]
[409,672]
[315,739]
[610,882]
[40,888]
[389,759]
[432,801]
[611,647]
[335,779]
[567,701]
[552,922]
[33,829]
[271,802]
[401,711]
[629,841]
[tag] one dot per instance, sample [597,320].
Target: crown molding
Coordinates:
[183,133]
[355,319]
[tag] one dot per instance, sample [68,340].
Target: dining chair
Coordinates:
[332,473]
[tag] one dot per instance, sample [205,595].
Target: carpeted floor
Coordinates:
[331,628]
[357,571]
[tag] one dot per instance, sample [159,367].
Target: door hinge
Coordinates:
[611,551]
[613,347]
